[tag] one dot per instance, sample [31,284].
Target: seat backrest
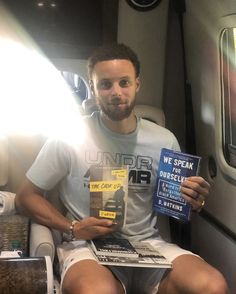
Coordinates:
[17,153]
[3,161]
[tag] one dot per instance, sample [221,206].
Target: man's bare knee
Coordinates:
[192,275]
[87,277]
[212,283]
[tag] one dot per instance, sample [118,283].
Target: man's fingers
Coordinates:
[92,227]
[196,204]
[195,186]
[195,190]
[93,221]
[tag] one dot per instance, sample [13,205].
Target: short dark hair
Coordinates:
[111,52]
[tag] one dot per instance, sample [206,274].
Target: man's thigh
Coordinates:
[80,272]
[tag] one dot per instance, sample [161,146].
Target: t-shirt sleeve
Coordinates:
[50,166]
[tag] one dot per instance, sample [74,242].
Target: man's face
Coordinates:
[114,85]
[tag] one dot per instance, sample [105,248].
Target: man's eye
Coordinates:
[124,83]
[105,85]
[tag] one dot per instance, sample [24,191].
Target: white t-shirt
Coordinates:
[68,164]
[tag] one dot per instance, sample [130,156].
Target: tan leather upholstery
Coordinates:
[151,113]
[3,161]
[148,112]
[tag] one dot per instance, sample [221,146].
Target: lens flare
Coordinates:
[34,97]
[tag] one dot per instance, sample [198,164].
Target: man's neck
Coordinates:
[125,126]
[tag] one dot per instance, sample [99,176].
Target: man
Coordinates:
[115,135]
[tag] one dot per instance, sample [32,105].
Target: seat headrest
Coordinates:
[148,112]
[89,106]
[151,113]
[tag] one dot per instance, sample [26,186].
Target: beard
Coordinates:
[115,113]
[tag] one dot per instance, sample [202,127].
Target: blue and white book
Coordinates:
[174,168]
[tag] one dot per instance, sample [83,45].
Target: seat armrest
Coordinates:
[41,241]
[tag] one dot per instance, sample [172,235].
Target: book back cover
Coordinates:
[108,193]
[174,168]
[113,247]
[122,252]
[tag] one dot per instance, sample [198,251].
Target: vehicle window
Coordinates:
[228,87]
[77,85]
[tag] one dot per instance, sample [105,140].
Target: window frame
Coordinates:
[228,95]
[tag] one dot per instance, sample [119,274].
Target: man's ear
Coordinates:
[137,81]
[91,85]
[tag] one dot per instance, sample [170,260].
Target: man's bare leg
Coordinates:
[88,277]
[192,275]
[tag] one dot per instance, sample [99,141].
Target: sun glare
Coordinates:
[34,97]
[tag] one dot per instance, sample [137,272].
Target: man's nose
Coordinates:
[116,89]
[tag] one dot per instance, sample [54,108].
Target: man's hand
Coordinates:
[92,227]
[195,190]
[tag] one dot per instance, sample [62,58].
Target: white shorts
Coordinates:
[135,280]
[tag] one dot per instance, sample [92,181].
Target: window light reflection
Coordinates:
[34,97]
